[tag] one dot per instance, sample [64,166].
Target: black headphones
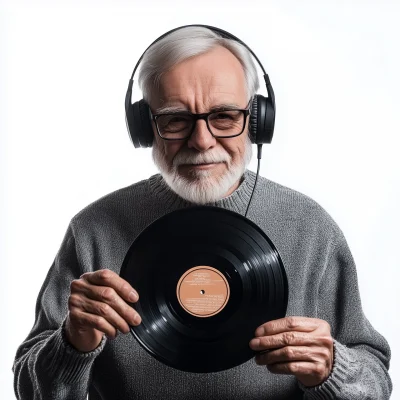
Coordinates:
[262,117]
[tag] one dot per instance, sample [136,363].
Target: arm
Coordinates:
[46,365]
[337,355]
[361,354]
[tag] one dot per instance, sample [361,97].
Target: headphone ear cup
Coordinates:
[129,115]
[262,120]
[253,120]
[140,130]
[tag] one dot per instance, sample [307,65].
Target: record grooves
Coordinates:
[207,278]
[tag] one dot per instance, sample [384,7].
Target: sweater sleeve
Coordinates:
[46,366]
[361,354]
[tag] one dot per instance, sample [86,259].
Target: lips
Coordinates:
[200,166]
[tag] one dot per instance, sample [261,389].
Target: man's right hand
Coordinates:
[97,306]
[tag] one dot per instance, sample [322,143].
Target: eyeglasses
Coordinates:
[224,123]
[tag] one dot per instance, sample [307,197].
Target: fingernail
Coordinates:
[133,296]
[255,342]
[137,319]
[111,337]
[259,331]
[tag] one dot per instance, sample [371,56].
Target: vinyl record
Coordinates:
[207,278]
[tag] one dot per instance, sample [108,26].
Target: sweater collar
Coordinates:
[237,201]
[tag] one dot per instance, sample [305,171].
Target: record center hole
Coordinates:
[202,291]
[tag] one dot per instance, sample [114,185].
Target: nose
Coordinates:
[201,138]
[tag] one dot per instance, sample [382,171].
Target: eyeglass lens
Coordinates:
[221,124]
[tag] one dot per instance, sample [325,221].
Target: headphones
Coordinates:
[262,116]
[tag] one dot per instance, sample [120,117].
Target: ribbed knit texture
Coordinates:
[322,284]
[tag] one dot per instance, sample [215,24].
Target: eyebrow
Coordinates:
[181,109]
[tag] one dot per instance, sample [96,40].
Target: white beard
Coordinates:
[202,188]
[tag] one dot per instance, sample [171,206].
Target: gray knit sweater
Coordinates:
[322,283]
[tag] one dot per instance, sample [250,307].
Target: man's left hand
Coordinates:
[297,346]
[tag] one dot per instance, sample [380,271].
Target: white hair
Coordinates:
[183,44]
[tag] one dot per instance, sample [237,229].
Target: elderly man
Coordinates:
[324,349]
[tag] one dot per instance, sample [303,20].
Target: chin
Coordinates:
[201,189]
[196,174]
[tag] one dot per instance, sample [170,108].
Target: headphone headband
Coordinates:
[223,33]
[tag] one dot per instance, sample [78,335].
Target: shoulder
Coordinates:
[283,195]
[118,203]
[289,206]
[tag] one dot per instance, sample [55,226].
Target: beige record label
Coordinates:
[203,291]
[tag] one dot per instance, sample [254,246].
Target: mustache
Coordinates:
[187,156]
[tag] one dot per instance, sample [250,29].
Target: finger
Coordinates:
[82,290]
[87,320]
[310,374]
[300,324]
[294,353]
[292,368]
[105,277]
[107,312]
[285,339]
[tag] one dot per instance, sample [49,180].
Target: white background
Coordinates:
[65,66]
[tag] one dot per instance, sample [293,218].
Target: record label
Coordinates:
[203,291]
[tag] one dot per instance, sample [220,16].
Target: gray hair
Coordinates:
[186,43]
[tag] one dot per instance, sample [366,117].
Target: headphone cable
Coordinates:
[259,154]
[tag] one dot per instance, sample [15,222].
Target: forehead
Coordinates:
[203,81]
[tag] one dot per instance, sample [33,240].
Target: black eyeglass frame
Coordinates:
[204,116]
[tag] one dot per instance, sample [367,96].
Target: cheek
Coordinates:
[235,147]
[171,149]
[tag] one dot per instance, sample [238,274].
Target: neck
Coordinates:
[233,188]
